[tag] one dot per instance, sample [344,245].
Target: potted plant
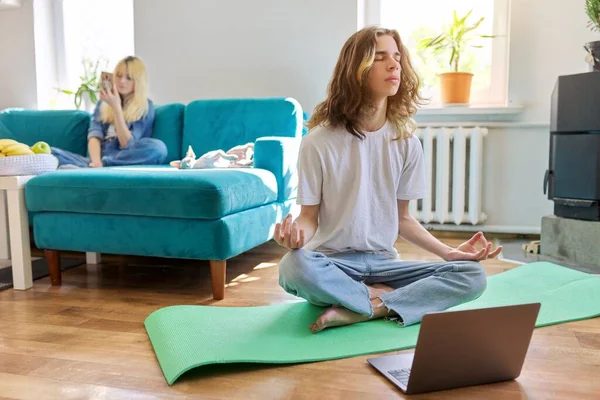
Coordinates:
[89,86]
[592,9]
[456,38]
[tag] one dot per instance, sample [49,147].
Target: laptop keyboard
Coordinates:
[401,375]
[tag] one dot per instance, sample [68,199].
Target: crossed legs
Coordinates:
[362,286]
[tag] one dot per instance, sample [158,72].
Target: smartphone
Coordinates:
[106,80]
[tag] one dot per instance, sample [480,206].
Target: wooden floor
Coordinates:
[86,340]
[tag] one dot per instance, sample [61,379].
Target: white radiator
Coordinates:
[453,164]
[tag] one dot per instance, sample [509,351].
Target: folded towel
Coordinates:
[241,156]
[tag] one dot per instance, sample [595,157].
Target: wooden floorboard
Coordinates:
[86,340]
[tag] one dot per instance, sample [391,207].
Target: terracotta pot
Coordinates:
[593,48]
[456,87]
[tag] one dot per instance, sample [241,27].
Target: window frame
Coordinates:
[60,51]
[369,13]
[59,43]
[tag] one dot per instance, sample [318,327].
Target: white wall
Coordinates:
[17,54]
[541,50]
[516,159]
[226,48]
[516,155]
[221,49]
[232,48]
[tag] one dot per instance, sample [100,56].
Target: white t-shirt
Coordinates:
[357,184]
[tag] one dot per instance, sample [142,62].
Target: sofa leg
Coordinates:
[217,276]
[53,260]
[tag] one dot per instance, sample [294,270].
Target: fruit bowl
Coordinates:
[35,164]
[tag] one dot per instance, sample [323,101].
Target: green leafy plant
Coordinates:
[456,38]
[89,83]
[592,9]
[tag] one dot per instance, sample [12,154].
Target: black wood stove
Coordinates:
[573,178]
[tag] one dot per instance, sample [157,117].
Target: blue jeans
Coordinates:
[341,279]
[146,151]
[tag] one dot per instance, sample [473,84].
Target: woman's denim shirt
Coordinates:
[139,129]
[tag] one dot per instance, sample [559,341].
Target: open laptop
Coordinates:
[463,348]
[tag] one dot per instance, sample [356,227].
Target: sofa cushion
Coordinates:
[168,125]
[159,191]
[66,129]
[161,237]
[280,156]
[222,124]
[4,132]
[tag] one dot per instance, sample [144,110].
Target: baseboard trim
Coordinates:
[509,229]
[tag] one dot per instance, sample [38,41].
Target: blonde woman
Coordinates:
[359,167]
[121,126]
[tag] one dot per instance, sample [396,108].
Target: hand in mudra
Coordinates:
[288,234]
[468,252]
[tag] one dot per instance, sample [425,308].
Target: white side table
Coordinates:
[18,222]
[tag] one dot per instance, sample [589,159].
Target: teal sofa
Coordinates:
[201,214]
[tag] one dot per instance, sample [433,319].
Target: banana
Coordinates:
[10,146]
[17,149]
[2,155]
[6,142]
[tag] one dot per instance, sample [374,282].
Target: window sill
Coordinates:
[490,112]
[497,116]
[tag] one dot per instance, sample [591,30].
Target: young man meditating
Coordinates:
[359,166]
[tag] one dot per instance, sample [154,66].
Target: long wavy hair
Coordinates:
[137,106]
[347,103]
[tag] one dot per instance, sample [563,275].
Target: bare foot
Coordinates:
[339,316]
[336,316]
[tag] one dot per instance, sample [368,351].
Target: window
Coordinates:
[90,36]
[426,19]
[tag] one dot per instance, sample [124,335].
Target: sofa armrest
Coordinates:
[280,156]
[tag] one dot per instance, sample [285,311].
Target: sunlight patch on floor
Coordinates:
[265,265]
[244,278]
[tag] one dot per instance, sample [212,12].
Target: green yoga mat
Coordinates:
[185,337]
